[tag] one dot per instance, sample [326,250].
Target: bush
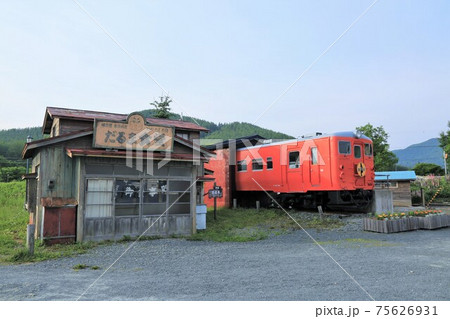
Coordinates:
[424,169]
[430,186]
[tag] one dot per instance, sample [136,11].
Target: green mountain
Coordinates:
[225,131]
[425,152]
[240,129]
[211,126]
[13,140]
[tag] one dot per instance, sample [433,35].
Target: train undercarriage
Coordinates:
[356,200]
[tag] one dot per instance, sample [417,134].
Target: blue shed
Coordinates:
[399,182]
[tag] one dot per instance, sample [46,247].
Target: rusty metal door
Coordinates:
[59,224]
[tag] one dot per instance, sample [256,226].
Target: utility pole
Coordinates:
[445,163]
[29,140]
[215,204]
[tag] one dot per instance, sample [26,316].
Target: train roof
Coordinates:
[350,134]
[238,142]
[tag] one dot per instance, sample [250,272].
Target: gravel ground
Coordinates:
[403,266]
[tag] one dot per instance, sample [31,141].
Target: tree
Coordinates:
[401,168]
[162,107]
[444,140]
[385,160]
[9,174]
[4,162]
[423,169]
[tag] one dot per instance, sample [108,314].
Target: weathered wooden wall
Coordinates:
[69,176]
[65,126]
[107,228]
[56,166]
[402,194]
[52,163]
[115,227]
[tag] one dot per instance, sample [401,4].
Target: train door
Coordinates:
[314,167]
[294,171]
[358,164]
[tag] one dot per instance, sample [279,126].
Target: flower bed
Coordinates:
[398,222]
[434,221]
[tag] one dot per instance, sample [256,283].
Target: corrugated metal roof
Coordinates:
[85,115]
[395,176]
[28,147]
[66,137]
[238,142]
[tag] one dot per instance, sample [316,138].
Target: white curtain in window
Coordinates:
[99,198]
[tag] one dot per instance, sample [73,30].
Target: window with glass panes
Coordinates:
[128,197]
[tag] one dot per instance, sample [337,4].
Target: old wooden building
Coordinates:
[399,182]
[103,176]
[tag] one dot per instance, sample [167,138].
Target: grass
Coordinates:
[42,252]
[240,225]
[13,228]
[231,225]
[13,219]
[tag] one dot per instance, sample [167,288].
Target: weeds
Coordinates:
[22,256]
[42,252]
[240,225]
[84,266]
[80,266]
[127,238]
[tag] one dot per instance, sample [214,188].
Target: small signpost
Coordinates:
[215,192]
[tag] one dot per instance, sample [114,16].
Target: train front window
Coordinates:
[242,166]
[368,149]
[345,147]
[357,151]
[294,159]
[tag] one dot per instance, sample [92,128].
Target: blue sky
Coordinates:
[227,61]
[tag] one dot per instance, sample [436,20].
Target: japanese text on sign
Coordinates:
[216,192]
[134,134]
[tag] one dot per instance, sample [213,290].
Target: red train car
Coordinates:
[335,169]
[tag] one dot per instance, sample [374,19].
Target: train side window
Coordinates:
[242,166]
[357,151]
[269,163]
[314,159]
[368,149]
[257,164]
[294,159]
[344,147]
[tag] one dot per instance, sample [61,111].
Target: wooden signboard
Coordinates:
[133,134]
